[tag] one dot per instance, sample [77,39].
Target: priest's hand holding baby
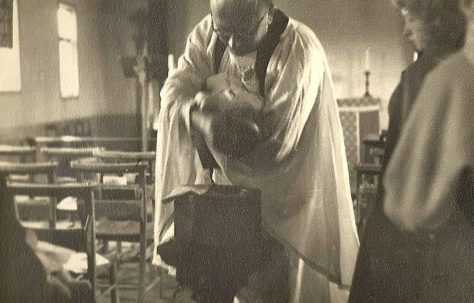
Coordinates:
[228,117]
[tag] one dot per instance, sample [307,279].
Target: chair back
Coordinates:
[64,155]
[20,152]
[132,157]
[69,153]
[124,159]
[117,201]
[31,169]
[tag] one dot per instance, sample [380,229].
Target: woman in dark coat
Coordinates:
[388,267]
[23,277]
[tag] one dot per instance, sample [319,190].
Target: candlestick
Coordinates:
[367,83]
[367,59]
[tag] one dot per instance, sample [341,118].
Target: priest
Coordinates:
[252,102]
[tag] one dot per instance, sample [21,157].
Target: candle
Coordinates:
[171,65]
[367,59]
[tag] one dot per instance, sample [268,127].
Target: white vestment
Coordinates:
[300,167]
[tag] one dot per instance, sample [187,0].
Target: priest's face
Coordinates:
[240,24]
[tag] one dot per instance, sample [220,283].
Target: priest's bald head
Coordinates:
[241,24]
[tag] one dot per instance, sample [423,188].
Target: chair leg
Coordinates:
[152,271]
[92,278]
[154,276]
[114,295]
[119,247]
[358,200]
[141,273]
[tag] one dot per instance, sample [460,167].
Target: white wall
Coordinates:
[104,35]
[117,36]
[39,100]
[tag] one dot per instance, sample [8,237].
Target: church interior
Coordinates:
[80,101]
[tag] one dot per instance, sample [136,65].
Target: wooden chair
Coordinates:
[365,191]
[135,157]
[82,232]
[122,219]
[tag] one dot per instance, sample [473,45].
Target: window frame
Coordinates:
[75,46]
[15,54]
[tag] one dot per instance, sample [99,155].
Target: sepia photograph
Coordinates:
[236,151]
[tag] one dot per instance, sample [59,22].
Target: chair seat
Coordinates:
[123,210]
[69,203]
[132,253]
[121,230]
[114,180]
[120,192]
[60,225]
[18,178]
[128,191]
[36,201]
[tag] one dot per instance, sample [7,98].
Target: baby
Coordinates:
[237,113]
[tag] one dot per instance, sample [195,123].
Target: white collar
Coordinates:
[244,61]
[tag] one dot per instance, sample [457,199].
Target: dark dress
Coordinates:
[23,278]
[388,267]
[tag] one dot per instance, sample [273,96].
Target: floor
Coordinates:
[162,292]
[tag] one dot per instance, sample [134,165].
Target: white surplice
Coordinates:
[300,167]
